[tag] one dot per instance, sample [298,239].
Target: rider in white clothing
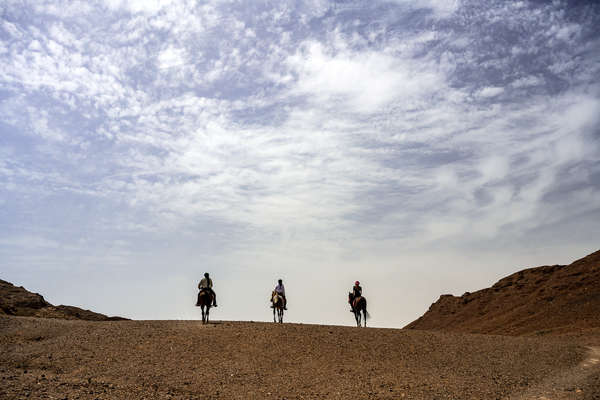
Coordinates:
[280,289]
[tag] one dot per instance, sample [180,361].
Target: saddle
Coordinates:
[276,297]
[203,292]
[355,301]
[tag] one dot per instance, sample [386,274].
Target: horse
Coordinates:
[277,301]
[359,304]
[205,299]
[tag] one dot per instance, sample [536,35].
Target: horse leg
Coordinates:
[207,312]
[202,308]
[274,311]
[365,316]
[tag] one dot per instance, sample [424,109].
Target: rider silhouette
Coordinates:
[206,285]
[356,292]
[280,289]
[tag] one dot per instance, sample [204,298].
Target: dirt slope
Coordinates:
[556,299]
[16,300]
[67,359]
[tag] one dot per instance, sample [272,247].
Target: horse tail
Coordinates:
[367,315]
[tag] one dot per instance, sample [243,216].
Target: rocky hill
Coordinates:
[21,302]
[548,299]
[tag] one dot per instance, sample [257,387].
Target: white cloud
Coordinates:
[441,8]
[491,91]
[64,9]
[526,81]
[145,6]
[565,32]
[494,168]
[11,29]
[364,82]
[171,57]
[40,126]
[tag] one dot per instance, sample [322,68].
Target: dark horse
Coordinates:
[205,299]
[358,304]
[277,301]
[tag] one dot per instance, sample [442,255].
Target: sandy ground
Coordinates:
[61,359]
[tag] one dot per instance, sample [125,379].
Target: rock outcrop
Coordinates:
[548,299]
[18,301]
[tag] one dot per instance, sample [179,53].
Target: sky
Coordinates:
[420,147]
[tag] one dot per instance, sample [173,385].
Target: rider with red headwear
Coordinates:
[356,292]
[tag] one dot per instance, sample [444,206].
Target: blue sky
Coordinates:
[420,147]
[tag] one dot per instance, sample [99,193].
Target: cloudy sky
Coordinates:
[420,147]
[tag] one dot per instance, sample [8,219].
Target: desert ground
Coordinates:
[73,359]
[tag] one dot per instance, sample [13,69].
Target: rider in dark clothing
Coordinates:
[356,289]
[356,292]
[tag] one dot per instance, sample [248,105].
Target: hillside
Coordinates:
[53,358]
[554,299]
[18,301]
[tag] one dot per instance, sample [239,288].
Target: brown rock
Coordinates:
[18,301]
[551,299]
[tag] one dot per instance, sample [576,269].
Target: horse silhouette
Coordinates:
[359,304]
[205,300]
[277,301]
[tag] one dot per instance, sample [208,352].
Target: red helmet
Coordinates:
[357,283]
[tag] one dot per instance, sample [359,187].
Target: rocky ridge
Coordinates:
[18,301]
[553,299]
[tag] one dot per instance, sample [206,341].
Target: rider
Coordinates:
[356,292]
[206,284]
[280,289]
